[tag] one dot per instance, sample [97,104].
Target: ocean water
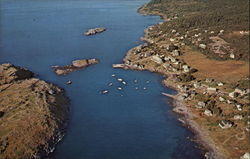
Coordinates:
[124,124]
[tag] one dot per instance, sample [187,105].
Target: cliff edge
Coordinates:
[32,114]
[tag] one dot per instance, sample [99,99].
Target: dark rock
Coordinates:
[10,73]
[1,114]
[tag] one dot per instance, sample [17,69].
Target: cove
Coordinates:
[123,124]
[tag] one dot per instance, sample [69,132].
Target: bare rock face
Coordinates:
[76,65]
[32,114]
[94,31]
[80,63]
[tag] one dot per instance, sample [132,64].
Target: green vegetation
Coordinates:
[207,18]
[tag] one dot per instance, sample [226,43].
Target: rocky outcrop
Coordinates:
[8,73]
[76,65]
[33,114]
[94,31]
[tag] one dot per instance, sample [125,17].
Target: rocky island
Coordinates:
[203,53]
[94,31]
[33,114]
[76,65]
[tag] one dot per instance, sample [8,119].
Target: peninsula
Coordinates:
[33,114]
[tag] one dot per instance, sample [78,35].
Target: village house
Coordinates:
[201,104]
[232,56]
[141,66]
[239,106]
[209,80]
[173,31]
[240,91]
[186,68]
[245,156]
[166,65]
[174,69]
[172,40]
[177,34]
[220,84]
[221,99]
[229,102]
[196,85]
[208,112]
[211,90]
[231,95]
[238,117]
[225,124]
[127,62]
[203,46]
[177,63]
[184,95]
[167,58]
[172,59]
[175,53]
[157,59]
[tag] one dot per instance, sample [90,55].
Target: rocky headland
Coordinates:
[76,65]
[33,114]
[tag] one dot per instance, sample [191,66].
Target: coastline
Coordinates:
[200,134]
[34,112]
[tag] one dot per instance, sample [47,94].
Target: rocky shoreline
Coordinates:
[144,57]
[34,117]
[179,107]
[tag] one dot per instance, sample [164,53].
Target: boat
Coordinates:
[105,91]
[119,79]
[69,82]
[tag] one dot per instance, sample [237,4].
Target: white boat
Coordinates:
[119,79]
[105,91]
[69,82]
[119,88]
[110,84]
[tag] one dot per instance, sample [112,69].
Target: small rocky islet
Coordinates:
[76,65]
[94,31]
[33,114]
